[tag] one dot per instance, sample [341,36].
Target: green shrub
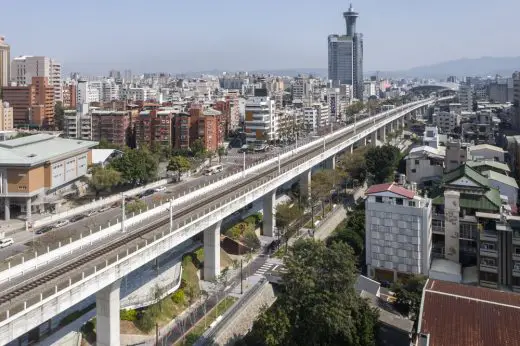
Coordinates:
[251,240]
[178,297]
[251,220]
[89,327]
[128,315]
[146,321]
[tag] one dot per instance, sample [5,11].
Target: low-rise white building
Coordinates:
[487,152]
[425,164]
[398,227]
[505,184]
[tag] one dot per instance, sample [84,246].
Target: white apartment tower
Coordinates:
[23,68]
[398,232]
[261,123]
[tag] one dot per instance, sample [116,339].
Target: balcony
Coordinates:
[516,256]
[488,266]
[516,238]
[489,235]
[488,252]
[516,272]
[488,284]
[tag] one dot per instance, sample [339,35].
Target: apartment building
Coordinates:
[6,116]
[456,232]
[70,95]
[39,169]
[316,117]
[184,126]
[32,104]
[154,127]
[5,63]
[24,68]
[398,228]
[261,123]
[77,125]
[425,165]
[446,121]
[456,154]
[112,126]
[465,95]
[210,129]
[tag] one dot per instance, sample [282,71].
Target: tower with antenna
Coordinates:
[350,20]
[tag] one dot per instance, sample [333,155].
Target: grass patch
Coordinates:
[201,326]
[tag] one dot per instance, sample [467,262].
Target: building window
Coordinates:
[411,203]
[414,170]
[379,199]
[416,162]
[399,201]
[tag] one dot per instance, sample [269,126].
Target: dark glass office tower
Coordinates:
[346,56]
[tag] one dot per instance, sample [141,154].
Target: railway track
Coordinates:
[108,248]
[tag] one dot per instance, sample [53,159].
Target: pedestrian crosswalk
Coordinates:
[264,269]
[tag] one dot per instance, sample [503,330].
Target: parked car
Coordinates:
[160,189]
[61,223]
[5,242]
[44,229]
[91,212]
[148,192]
[78,217]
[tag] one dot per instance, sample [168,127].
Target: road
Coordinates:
[26,242]
[26,289]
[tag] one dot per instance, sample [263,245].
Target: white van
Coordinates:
[5,242]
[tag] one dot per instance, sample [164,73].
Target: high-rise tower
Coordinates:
[350,19]
[5,62]
[346,56]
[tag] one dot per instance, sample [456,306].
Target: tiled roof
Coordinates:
[455,314]
[504,179]
[486,146]
[490,201]
[467,171]
[488,163]
[390,187]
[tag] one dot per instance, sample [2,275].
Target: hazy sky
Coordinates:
[177,36]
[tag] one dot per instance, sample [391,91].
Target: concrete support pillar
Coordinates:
[7,209]
[28,206]
[391,126]
[305,184]
[402,123]
[107,319]
[382,134]
[330,163]
[352,148]
[212,252]
[373,139]
[269,220]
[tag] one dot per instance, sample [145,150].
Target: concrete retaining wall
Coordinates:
[239,319]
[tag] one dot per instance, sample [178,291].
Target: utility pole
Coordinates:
[241,277]
[244,165]
[279,168]
[123,211]
[156,333]
[171,214]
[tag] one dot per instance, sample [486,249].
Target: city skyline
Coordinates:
[164,37]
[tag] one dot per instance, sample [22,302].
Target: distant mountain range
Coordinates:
[484,66]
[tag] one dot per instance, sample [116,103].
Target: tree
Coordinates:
[382,162]
[104,144]
[408,294]
[353,166]
[135,207]
[221,152]
[59,115]
[197,148]
[353,109]
[286,214]
[137,166]
[104,178]
[319,305]
[179,164]
[322,185]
